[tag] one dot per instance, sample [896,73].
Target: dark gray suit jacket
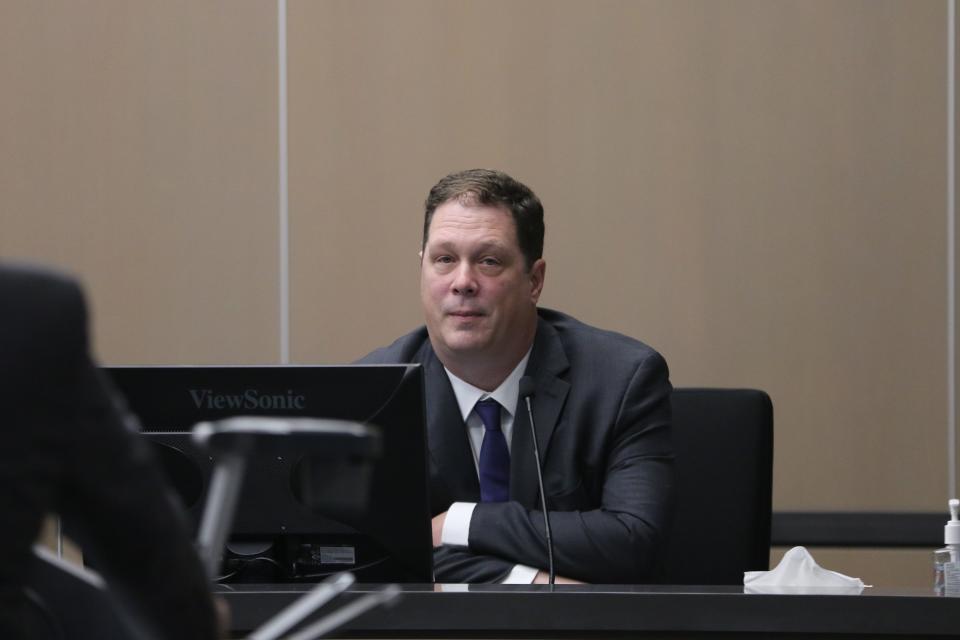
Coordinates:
[602,414]
[64,448]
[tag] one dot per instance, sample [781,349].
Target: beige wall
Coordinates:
[138,147]
[756,188]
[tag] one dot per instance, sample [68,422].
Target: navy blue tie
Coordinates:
[494,456]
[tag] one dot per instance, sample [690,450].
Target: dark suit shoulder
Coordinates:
[44,318]
[583,342]
[407,348]
[33,288]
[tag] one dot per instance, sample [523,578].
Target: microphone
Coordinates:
[527,391]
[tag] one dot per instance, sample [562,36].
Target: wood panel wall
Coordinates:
[758,189]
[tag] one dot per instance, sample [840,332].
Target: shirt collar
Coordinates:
[506,394]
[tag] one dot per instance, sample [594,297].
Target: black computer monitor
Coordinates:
[275,536]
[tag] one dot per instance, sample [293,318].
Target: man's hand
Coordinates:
[543,577]
[438,527]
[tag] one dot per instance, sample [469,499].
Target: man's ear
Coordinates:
[537,273]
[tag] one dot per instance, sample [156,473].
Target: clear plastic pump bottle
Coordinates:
[946,561]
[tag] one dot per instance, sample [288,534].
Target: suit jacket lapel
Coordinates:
[447,437]
[547,362]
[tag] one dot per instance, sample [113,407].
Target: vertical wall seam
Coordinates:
[951,253]
[283,185]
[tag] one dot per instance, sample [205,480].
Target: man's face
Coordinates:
[478,296]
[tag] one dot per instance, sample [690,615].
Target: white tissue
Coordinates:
[799,573]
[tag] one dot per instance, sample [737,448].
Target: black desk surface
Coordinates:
[619,610]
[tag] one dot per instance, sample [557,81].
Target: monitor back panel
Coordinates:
[389,541]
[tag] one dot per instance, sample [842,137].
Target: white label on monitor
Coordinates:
[338,555]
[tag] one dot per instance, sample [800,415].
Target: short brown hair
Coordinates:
[489,187]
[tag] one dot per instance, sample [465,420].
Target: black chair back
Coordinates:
[723,440]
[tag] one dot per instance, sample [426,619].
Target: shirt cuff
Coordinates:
[456,526]
[521,574]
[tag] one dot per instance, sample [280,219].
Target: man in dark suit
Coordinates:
[65,449]
[601,405]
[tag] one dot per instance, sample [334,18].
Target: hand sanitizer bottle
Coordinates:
[946,561]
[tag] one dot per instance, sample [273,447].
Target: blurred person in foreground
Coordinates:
[68,449]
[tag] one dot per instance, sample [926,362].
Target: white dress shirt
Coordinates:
[456,526]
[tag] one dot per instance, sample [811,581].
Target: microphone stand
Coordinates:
[527,390]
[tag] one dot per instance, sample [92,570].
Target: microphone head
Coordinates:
[528,387]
